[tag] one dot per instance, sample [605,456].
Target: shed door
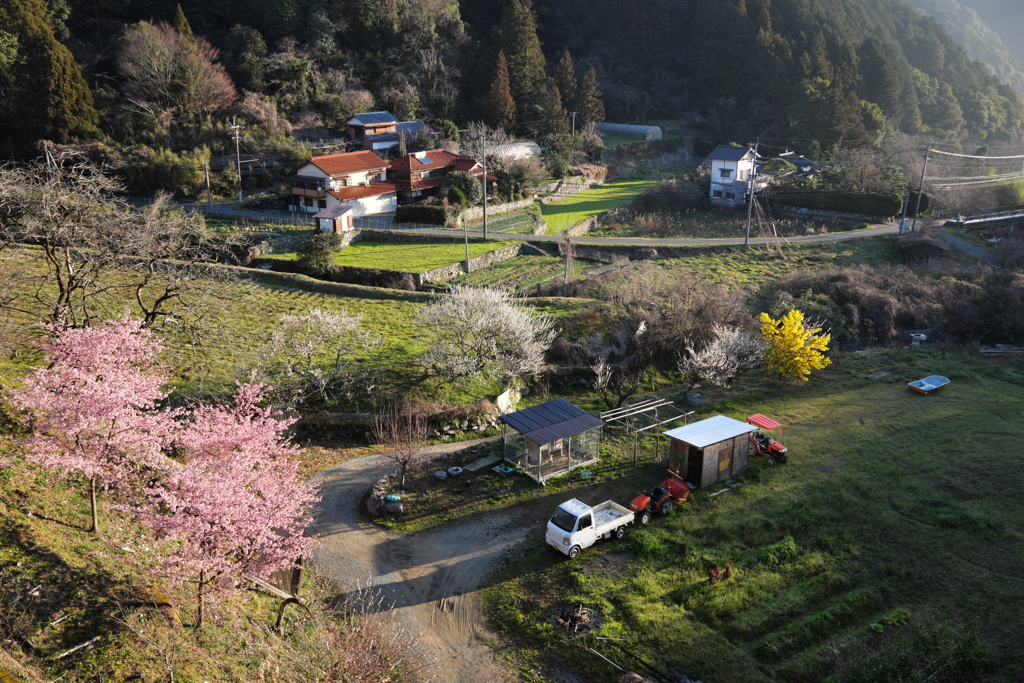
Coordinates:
[725,461]
[694,465]
[709,473]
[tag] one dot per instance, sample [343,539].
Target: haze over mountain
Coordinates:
[988,29]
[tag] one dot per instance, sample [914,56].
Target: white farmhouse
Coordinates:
[355,179]
[731,169]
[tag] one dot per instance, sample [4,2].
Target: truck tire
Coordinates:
[574,552]
[645,517]
[620,532]
[666,507]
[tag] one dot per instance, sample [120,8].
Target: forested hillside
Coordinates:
[993,44]
[169,76]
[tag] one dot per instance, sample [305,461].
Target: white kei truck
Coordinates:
[575,525]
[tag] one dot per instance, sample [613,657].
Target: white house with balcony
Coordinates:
[354,179]
[731,171]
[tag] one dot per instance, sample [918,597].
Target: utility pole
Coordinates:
[920,191]
[568,262]
[484,142]
[238,157]
[750,194]
[465,233]
[574,122]
[209,194]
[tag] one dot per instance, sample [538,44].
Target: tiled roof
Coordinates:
[435,158]
[360,191]
[728,153]
[407,184]
[348,162]
[373,117]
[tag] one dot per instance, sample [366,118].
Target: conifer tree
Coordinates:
[565,79]
[181,25]
[588,101]
[556,118]
[49,98]
[501,108]
[517,38]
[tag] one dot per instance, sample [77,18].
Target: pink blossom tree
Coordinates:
[237,503]
[94,409]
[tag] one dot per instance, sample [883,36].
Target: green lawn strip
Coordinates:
[891,501]
[567,212]
[406,257]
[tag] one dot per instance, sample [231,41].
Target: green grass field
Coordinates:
[887,549]
[568,212]
[407,257]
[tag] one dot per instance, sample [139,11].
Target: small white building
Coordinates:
[355,179]
[335,219]
[731,171]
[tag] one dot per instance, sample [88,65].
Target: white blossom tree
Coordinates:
[484,332]
[730,352]
[315,355]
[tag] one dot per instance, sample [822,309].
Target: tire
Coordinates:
[574,552]
[772,462]
[645,516]
[620,532]
[666,507]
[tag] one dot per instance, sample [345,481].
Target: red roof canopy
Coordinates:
[763,421]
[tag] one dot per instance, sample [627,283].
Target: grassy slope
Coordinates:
[894,501]
[407,257]
[568,212]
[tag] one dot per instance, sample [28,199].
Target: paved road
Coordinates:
[982,254]
[383,222]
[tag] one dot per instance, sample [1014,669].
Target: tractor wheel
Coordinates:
[574,552]
[645,517]
[620,532]
[666,507]
[771,461]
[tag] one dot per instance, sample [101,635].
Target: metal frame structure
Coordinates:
[647,413]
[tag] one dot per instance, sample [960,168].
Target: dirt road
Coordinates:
[433,578]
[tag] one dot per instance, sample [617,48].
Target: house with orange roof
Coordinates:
[420,175]
[355,179]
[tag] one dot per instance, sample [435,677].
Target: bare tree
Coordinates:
[617,362]
[403,430]
[316,355]
[484,332]
[164,70]
[92,254]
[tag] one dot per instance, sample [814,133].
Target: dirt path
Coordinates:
[433,577]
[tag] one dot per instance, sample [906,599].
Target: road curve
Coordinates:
[432,578]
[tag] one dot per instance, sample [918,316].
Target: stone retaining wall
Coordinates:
[478,211]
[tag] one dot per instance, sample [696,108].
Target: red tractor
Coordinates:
[661,498]
[764,445]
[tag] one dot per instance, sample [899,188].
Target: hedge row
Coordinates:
[867,203]
[416,213]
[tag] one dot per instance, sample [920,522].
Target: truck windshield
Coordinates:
[565,521]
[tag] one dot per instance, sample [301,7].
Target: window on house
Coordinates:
[309,201]
[322,203]
[726,173]
[717,193]
[730,195]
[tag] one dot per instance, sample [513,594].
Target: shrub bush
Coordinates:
[868,203]
[317,256]
[418,213]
